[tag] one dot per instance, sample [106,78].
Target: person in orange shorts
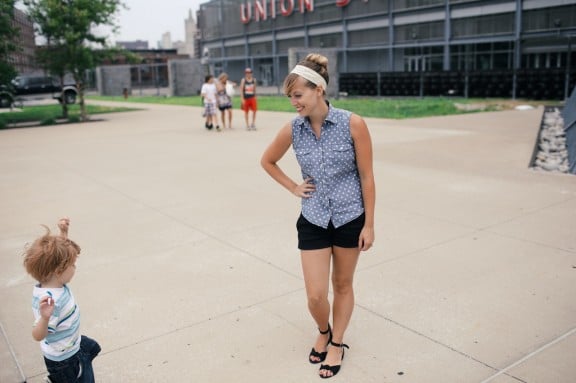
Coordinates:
[248,97]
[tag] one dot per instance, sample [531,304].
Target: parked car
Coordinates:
[25,88]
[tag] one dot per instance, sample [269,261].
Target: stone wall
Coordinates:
[185,77]
[112,80]
[552,154]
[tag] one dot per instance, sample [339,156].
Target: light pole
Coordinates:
[205,60]
[420,61]
[568,66]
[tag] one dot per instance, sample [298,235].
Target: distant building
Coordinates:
[145,56]
[187,48]
[191,38]
[132,45]
[24,59]
[156,56]
[180,46]
[152,68]
[166,42]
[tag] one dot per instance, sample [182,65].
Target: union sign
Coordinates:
[259,10]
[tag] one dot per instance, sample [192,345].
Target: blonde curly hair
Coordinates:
[49,255]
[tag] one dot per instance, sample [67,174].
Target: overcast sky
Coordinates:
[148,20]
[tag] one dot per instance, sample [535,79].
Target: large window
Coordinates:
[237,50]
[419,32]
[545,60]
[483,25]
[423,59]
[363,8]
[376,36]
[259,26]
[284,45]
[259,49]
[408,4]
[485,56]
[332,40]
[215,52]
[373,60]
[549,19]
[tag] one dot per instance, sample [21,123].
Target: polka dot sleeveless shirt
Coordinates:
[331,163]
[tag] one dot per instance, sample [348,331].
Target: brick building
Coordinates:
[23,59]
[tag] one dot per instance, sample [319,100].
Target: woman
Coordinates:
[224,100]
[334,150]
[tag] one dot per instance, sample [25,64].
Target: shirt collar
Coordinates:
[330,117]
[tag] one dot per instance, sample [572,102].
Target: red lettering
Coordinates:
[286,11]
[342,3]
[268,8]
[309,4]
[245,13]
[259,10]
[273,9]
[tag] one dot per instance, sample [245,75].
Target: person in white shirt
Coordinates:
[208,93]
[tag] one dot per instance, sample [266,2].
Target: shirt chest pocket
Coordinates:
[305,157]
[342,155]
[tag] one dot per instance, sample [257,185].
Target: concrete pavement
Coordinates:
[189,269]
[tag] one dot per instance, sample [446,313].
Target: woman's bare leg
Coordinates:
[344,262]
[223,116]
[316,270]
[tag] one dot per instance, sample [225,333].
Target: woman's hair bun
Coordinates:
[318,59]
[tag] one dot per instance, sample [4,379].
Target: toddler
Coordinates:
[51,260]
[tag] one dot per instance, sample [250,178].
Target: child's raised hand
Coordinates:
[63,225]
[46,307]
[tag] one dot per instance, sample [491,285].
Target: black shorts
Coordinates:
[312,237]
[224,107]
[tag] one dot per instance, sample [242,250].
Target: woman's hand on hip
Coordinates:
[305,189]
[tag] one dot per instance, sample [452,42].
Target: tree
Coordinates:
[8,35]
[67,26]
[53,58]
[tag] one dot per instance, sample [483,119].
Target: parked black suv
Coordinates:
[23,88]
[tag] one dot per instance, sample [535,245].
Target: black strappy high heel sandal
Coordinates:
[333,369]
[321,355]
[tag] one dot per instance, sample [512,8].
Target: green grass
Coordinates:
[190,101]
[51,114]
[269,103]
[399,109]
[393,108]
